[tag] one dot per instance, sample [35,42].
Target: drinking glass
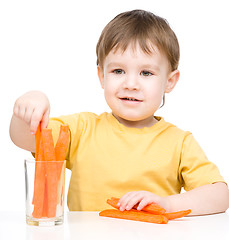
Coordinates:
[44,185]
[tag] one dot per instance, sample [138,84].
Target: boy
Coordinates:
[129,153]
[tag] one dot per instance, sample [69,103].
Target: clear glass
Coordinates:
[44,185]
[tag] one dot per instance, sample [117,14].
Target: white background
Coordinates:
[50,46]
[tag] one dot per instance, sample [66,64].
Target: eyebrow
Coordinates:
[113,64]
[146,66]
[149,66]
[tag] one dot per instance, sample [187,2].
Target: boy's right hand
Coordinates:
[33,107]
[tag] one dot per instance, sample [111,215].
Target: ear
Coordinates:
[101,76]
[172,81]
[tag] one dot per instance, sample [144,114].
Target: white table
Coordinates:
[88,225]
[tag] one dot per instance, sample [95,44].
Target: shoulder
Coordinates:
[89,116]
[77,119]
[172,130]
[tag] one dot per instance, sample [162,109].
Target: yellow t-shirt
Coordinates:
[108,159]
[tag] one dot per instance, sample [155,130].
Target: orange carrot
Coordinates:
[154,208]
[39,183]
[45,205]
[134,215]
[47,171]
[60,153]
[37,140]
[180,214]
[62,146]
[51,171]
[151,208]
[62,143]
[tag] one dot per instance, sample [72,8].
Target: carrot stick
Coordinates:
[37,139]
[151,208]
[154,209]
[174,215]
[60,153]
[49,151]
[51,171]
[62,145]
[45,205]
[37,142]
[47,172]
[39,183]
[134,215]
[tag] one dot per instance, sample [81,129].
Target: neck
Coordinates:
[148,122]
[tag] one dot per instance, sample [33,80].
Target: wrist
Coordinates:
[166,203]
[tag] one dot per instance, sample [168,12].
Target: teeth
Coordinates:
[131,99]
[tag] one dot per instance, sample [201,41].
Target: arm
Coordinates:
[207,199]
[29,110]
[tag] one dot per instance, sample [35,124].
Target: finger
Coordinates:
[134,200]
[35,120]
[45,120]
[21,112]
[125,199]
[28,115]
[16,109]
[147,200]
[144,202]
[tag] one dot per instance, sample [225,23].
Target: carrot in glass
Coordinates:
[51,171]
[39,183]
[37,140]
[62,145]
[37,143]
[60,153]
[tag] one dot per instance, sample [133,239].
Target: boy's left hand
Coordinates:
[144,198]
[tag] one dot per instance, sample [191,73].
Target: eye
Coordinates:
[146,73]
[118,71]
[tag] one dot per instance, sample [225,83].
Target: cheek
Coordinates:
[155,93]
[110,89]
[110,85]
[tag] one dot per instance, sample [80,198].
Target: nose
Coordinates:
[131,82]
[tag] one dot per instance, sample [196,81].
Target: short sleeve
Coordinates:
[75,127]
[195,169]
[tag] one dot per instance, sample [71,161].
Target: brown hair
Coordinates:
[138,26]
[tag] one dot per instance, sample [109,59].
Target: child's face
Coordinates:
[134,84]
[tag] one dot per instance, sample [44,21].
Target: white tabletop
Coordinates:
[88,225]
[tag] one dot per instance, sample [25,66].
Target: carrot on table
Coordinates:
[134,215]
[151,208]
[180,214]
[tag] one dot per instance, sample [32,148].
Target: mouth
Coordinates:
[131,99]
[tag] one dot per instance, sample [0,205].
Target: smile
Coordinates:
[131,99]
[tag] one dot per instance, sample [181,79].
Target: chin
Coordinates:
[131,118]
